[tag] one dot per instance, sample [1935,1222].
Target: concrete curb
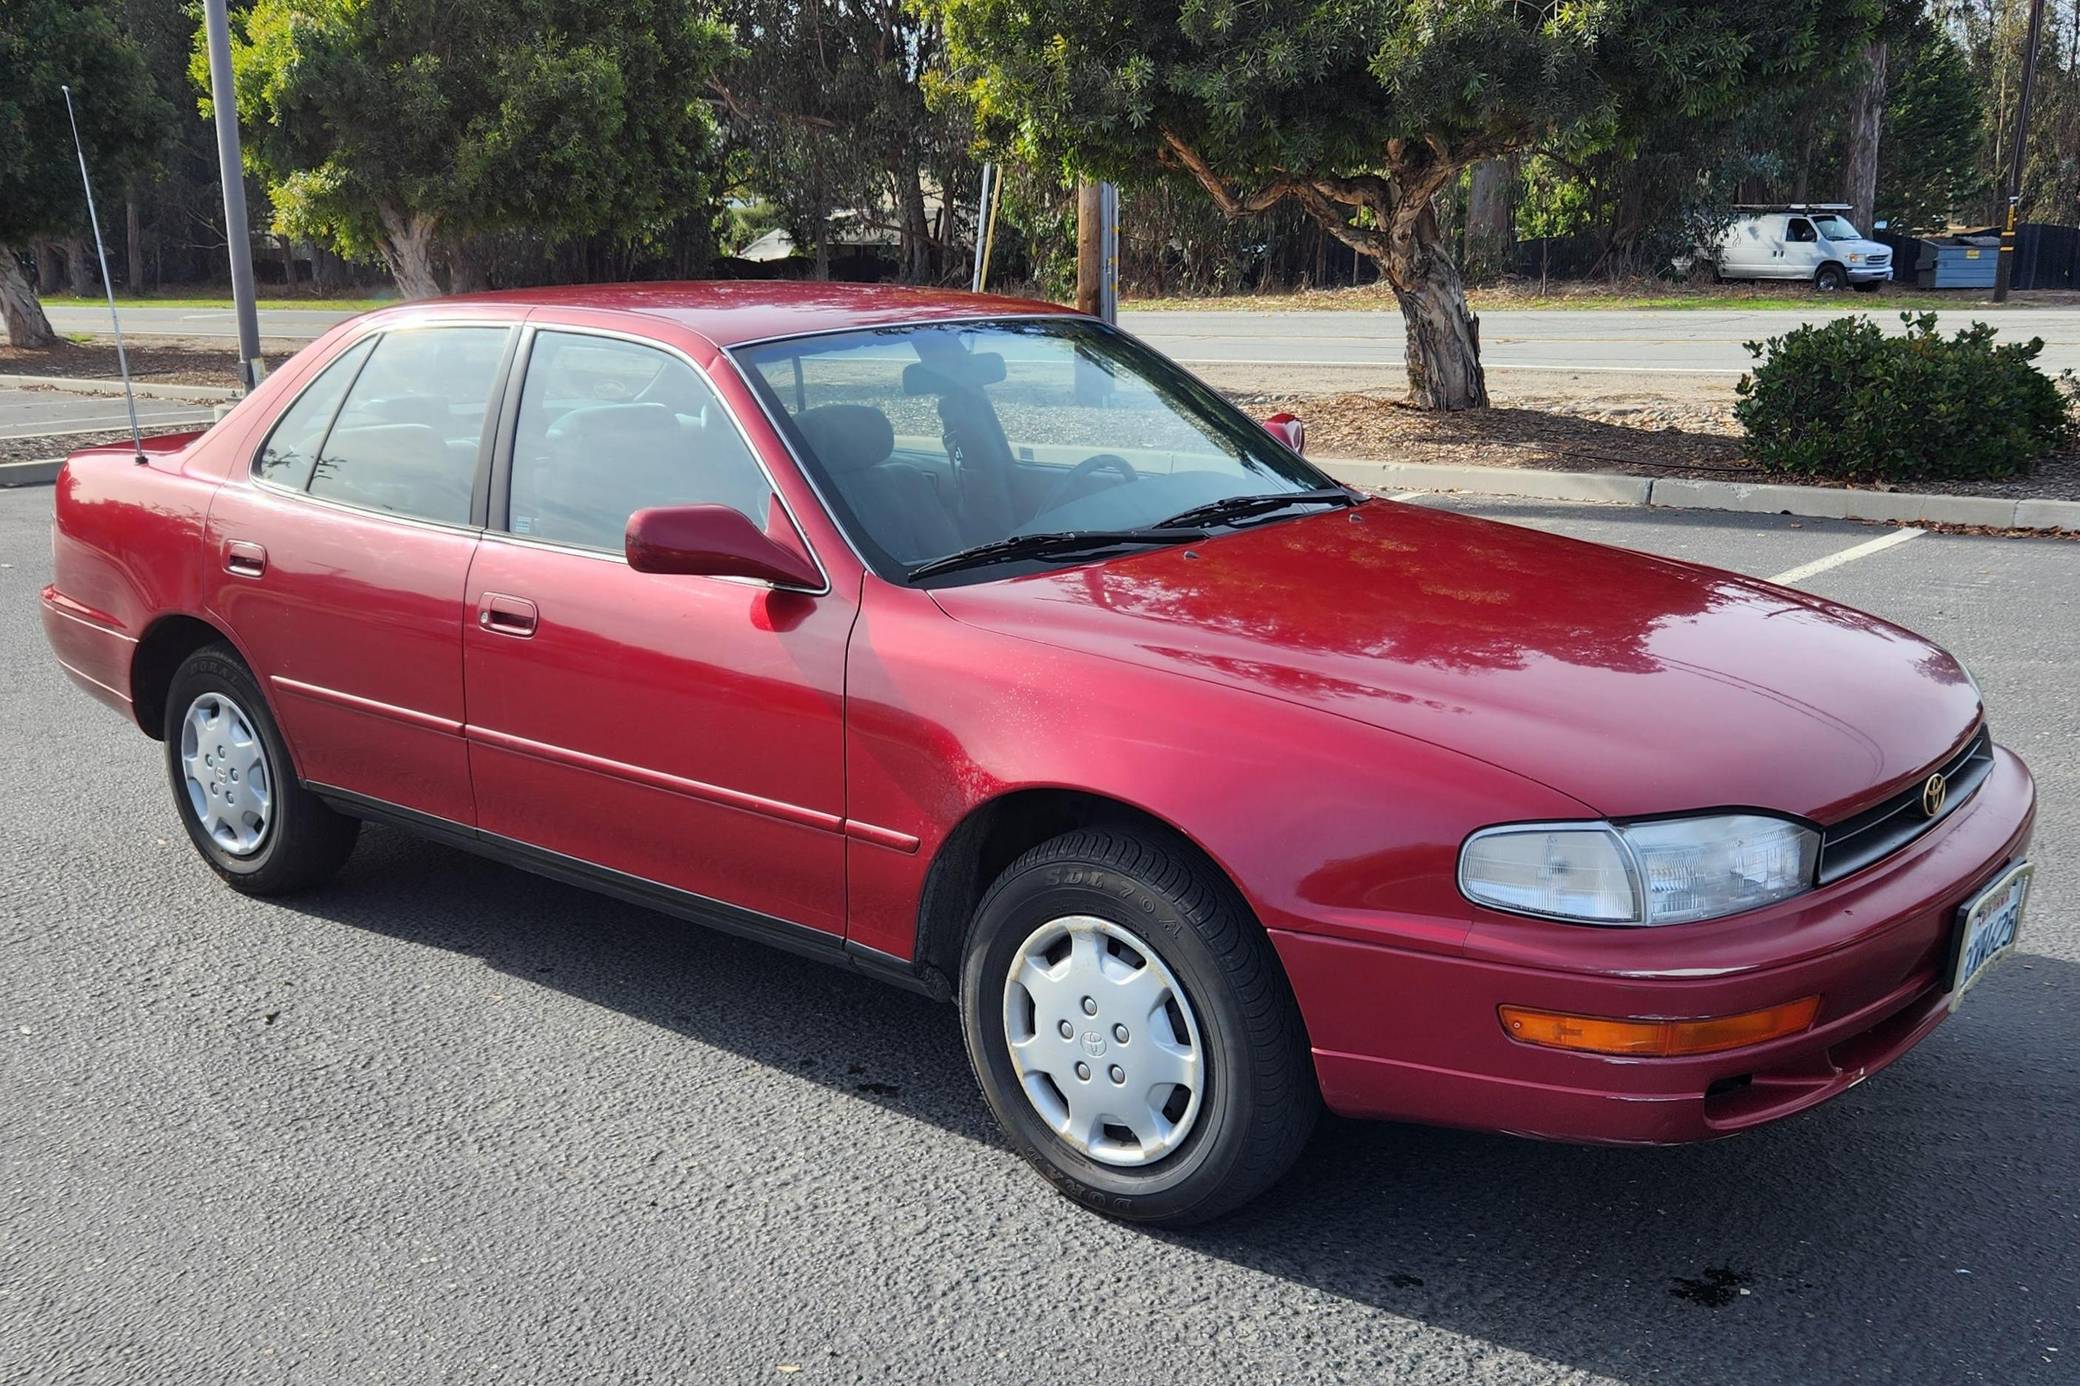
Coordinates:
[72,385]
[1764,498]
[39,473]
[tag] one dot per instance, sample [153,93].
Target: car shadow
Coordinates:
[1920,1228]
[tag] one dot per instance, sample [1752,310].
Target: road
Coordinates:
[28,412]
[444,1121]
[1657,348]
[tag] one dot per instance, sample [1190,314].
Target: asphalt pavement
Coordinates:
[1593,348]
[445,1121]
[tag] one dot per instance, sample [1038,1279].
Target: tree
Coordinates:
[409,128]
[1935,119]
[1362,112]
[45,45]
[826,99]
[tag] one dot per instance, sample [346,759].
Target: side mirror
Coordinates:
[713,541]
[1288,429]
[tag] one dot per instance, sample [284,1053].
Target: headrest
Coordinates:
[952,370]
[603,427]
[847,437]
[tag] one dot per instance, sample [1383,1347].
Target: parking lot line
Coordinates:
[1848,555]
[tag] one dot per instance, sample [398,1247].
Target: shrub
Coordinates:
[1846,401]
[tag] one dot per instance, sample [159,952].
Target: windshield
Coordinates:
[1836,228]
[933,439]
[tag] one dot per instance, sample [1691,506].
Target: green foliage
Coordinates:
[564,118]
[826,109]
[45,44]
[1928,159]
[1846,400]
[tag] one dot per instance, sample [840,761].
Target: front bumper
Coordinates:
[1867,274]
[1405,1034]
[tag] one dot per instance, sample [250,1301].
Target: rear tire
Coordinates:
[1104,1122]
[235,787]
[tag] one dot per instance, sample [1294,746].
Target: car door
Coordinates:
[672,734]
[339,563]
[1802,249]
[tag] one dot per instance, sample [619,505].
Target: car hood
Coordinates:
[1634,684]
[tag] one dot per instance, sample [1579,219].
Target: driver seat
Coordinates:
[898,506]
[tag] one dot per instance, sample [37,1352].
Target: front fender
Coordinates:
[1325,825]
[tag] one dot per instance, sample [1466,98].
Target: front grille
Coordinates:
[1880,261]
[1884,828]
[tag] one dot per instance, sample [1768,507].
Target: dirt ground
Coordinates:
[160,361]
[1649,437]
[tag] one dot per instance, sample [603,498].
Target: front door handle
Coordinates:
[244,559]
[504,615]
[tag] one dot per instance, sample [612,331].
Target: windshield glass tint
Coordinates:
[1836,229]
[935,438]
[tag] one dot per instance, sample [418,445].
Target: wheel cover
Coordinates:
[1104,1041]
[229,782]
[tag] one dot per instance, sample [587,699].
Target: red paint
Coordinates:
[714,541]
[1327,706]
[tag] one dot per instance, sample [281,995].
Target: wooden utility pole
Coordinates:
[1097,250]
[2004,263]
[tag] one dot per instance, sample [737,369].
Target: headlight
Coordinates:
[1669,871]
[1855,258]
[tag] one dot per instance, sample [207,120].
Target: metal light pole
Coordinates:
[2006,259]
[237,232]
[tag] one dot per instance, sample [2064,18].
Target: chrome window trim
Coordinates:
[524,358]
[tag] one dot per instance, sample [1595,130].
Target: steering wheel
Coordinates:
[1066,488]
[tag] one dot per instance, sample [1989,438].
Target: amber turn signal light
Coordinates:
[1657,1039]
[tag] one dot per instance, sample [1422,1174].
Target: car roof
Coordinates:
[731,312]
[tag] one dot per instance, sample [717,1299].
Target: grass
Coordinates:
[222,303]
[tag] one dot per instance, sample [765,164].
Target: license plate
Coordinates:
[1988,929]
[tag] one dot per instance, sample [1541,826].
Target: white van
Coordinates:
[1802,240]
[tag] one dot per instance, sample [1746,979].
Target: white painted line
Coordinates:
[1408,495]
[1848,555]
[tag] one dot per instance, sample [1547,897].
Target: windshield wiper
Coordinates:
[1242,507]
[1052,545]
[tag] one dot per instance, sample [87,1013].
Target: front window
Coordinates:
[1834,228]
[934,439]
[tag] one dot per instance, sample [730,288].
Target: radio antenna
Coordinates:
[122,357]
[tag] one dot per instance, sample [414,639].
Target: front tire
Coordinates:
[1830,279]
[1868,286]
[235,787]
[1132,1029]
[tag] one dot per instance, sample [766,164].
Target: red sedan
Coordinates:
[971,644]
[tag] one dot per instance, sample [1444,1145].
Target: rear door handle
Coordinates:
[504,615]
[244,559]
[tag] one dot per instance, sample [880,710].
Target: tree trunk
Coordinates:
[917,235]
[288,249]
[26,324]
[406,245]
[1865,118]
[466,273]
[79,273]
[47,257]
[133,243]
[1490,233]
[1444,337]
